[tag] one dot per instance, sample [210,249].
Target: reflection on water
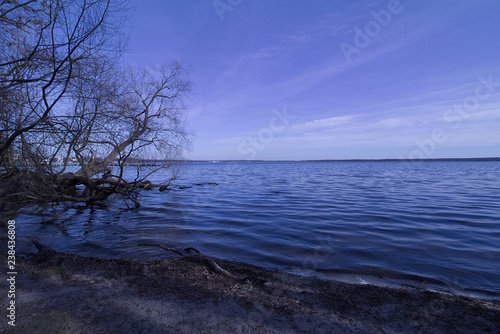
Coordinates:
[429,222]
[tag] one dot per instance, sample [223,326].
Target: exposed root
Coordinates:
[31,186]
[200,258]
[192,249]
[41,248]
[218,269]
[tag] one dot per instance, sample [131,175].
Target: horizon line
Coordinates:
[342,160]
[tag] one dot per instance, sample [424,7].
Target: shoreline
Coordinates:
[396,280]
[59,292]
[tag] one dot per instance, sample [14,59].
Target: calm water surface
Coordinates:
[429,225]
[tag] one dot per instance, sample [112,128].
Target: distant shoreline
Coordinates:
[353,160]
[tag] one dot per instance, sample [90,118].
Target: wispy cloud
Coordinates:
[391,123]
[417,27]
[324,123]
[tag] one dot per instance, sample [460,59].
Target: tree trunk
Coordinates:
[94,168]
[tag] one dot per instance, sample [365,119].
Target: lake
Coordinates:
[432,225]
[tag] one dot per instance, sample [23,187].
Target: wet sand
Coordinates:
[62,293]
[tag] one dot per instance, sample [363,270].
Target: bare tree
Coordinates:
[41,44]
[148,114]
[64,92]
[140,117]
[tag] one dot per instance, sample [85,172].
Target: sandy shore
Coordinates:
[61,293]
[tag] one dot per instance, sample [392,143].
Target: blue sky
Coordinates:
[331,79]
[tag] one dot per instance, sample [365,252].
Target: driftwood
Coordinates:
[19,186]
[200,258]
[197,257]
[25,186]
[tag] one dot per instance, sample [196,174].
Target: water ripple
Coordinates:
[427,222]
